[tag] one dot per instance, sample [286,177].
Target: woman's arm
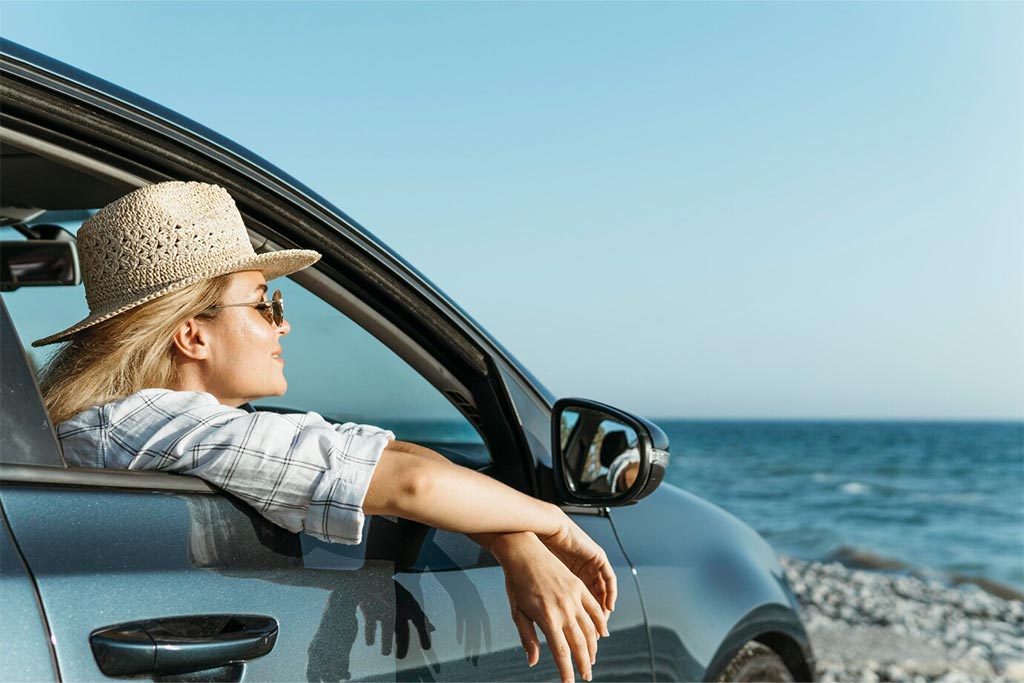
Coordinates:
[416,483]
[413,482]
[549,566]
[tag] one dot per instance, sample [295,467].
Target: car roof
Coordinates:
[41,62]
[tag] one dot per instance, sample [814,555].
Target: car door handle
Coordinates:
[184,644]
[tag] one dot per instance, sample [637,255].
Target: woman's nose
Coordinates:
[284,328]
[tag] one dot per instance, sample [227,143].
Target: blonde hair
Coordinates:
[129,352]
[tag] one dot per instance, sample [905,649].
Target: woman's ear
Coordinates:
[190,340]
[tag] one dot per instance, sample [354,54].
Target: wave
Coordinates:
[965,498]
[859,488]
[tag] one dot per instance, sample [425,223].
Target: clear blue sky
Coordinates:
[771,210]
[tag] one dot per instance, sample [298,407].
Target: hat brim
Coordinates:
[272,265]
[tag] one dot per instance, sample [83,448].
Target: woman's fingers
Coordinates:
[580,650]
[559,650]
[559,597]
[590,633]
[598,615]
[604,581]
[611,586]
[527,635]
[587,560]
[601,589]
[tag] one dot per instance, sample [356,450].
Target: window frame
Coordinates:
[95,142]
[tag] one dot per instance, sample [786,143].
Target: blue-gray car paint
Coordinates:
[25,647]
[670,561]
[709,583]
[103,557]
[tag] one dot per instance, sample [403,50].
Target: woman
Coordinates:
[181,334]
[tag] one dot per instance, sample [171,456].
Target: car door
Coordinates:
[108,548]
[25,647]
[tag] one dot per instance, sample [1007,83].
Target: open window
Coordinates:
[344,360]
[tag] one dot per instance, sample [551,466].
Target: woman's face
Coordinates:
[244,361]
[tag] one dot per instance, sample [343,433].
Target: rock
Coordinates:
[894,672]
[977,652]
[869,676]
[1006,627]
[883,627]
[986,638]
[928,668]
[1014,671]
[1009,651]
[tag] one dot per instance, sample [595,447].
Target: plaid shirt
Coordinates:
[298,470]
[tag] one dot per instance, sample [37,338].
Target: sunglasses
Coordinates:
[272,310]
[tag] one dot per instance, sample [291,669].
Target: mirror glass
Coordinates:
[600,453]
[36,263]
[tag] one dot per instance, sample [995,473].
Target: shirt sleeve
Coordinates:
[298,470]
[619,464]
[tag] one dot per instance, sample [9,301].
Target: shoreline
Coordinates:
[871,625]
[855,558]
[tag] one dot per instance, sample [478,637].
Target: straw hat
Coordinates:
[161,238]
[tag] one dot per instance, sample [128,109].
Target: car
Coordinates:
[110,574]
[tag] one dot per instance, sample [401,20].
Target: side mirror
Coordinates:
[603,456]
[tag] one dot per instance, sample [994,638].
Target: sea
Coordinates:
[942,499]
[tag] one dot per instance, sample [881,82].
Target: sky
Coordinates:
[770,210]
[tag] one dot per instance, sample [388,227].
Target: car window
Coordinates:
[334,367]
[341,371]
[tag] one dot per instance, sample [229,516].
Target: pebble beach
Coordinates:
[879,626]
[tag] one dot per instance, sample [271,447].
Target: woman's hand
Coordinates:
[586,559]
[542,591]
[416,483]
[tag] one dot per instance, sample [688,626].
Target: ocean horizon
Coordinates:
[939,498]
[942,498]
